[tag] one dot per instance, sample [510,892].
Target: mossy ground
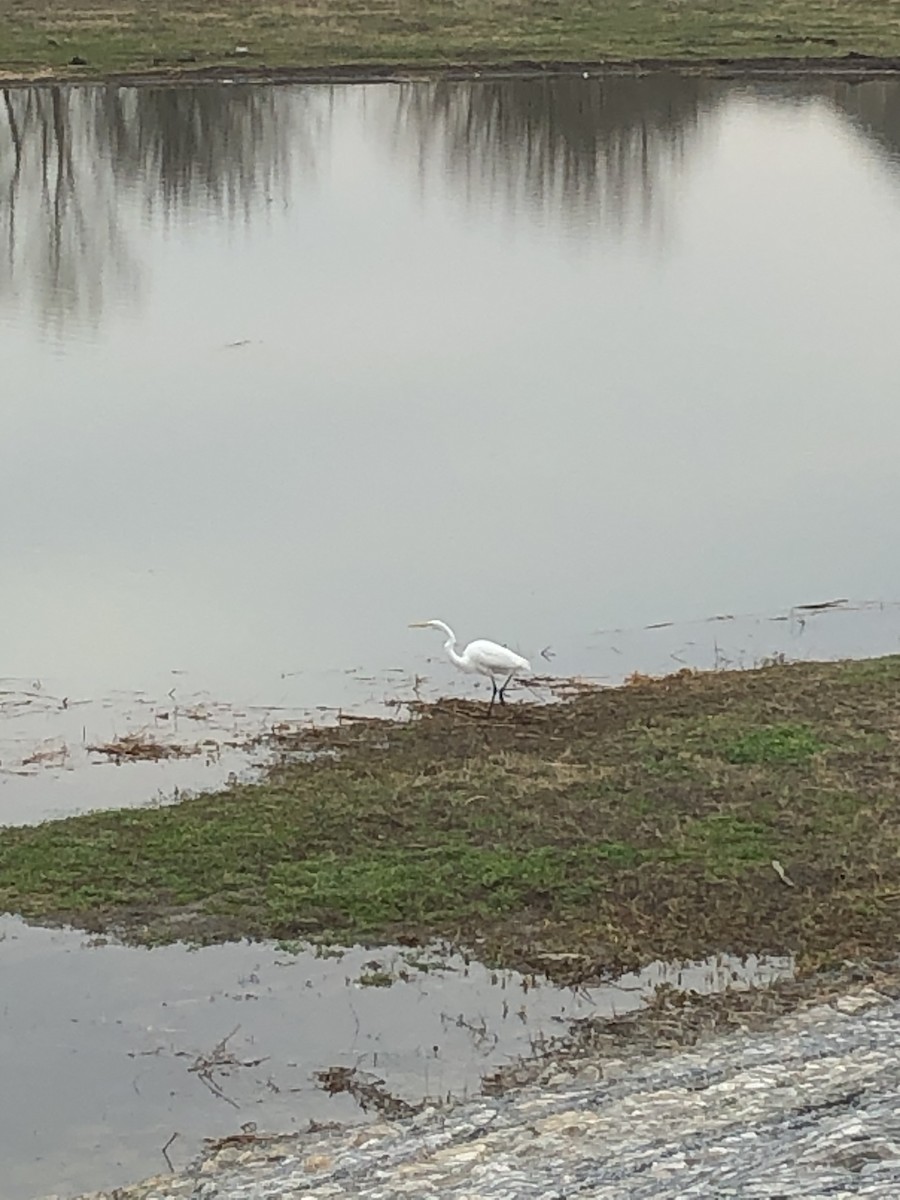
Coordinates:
[615,828]
[134,36]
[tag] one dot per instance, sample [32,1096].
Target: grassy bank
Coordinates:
[41,36]
[624,825]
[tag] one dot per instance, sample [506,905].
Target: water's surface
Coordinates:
[284,369]
[97,1069]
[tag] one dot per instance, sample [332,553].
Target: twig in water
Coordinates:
[205,1064]
[165,1151]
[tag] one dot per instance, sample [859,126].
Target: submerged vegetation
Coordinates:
[674,818]
[90,38]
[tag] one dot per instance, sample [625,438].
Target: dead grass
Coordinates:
[145,747]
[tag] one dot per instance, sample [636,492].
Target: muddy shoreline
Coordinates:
[849,67]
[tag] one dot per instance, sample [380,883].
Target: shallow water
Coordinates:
[98,1041]
[286,368]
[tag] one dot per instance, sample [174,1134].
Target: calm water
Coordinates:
[284,369]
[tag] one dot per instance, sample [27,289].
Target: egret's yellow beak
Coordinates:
[418,624]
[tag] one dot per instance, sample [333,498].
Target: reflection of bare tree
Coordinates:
[873,107]
[58,220]
[70,156]
[203,147]
[74,160]
[587,147]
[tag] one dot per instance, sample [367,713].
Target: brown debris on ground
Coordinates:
[144,747]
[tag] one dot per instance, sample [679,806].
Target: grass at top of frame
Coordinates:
[130,36]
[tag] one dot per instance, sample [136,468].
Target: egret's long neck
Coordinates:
[450,647]
[450,644]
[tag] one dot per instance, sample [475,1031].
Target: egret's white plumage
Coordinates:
[481,657]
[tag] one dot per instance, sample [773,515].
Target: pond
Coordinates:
[287,368]
[602,368]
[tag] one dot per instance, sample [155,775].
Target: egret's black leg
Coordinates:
[493,695]
[503,689]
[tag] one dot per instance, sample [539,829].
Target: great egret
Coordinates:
[481,657]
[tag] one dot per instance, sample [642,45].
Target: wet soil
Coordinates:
[850,66]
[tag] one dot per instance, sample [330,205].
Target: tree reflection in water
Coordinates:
[604,153]
[598,149]
[68,156]
[873,108]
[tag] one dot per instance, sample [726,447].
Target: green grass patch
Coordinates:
[441,886]
[624,825]
[726,843]
[774,744]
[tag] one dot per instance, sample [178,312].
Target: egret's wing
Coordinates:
[491,656]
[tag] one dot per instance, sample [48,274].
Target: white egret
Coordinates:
[481,657]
